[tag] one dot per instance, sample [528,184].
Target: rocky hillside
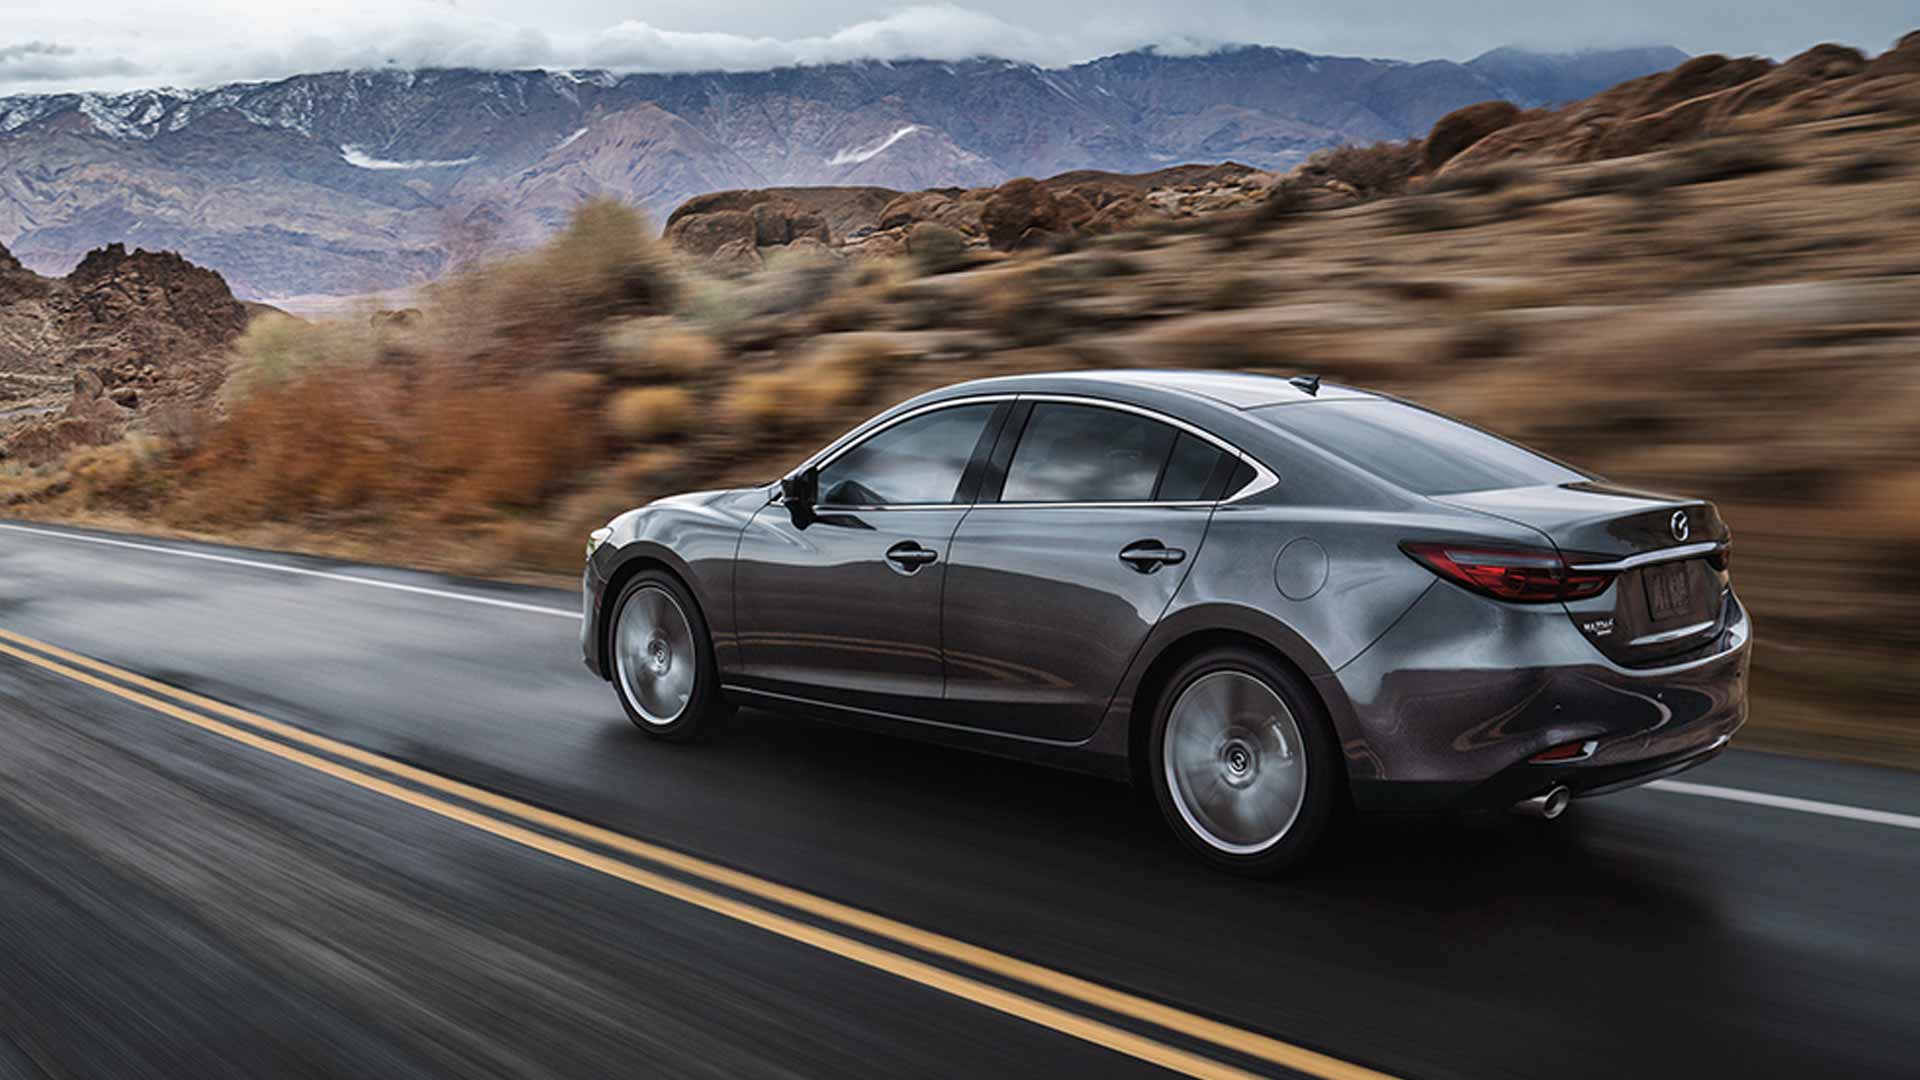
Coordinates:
[1700,98]
[350,182]
[123,336]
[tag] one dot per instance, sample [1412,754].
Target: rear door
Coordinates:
[1090,516]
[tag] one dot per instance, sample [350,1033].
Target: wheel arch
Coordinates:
[1195,633]
[635,559]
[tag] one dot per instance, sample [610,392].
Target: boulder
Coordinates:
[1902,59]
[1462,128]
[738,255]
[1017,208]
[706,234]
[943,206]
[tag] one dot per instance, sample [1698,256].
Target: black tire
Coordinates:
[646,692]
[1229,782]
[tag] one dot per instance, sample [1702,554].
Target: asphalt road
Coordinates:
[262,814]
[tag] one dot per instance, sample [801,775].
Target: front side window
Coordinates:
[1084,453]
[915,461]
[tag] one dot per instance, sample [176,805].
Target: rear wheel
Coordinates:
[1244,763]
[663,666]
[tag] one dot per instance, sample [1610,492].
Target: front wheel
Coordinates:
[663,666]
[1244,763]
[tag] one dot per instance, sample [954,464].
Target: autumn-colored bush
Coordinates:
[797,396]
[645,413]
[660,347]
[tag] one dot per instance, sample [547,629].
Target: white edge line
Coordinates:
[418,590]
[1788,802]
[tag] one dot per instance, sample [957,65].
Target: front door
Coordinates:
[1055,583]
[842,605]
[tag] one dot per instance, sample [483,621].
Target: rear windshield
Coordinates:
[1421,451]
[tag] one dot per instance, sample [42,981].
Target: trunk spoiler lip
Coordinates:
[1659,555]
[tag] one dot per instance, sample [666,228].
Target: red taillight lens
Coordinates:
[1722,558]
[1520,575]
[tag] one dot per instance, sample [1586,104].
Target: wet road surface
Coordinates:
[176,900]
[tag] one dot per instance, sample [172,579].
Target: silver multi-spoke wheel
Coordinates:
[655,656]
[1235,762]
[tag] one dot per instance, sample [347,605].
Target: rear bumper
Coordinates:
[1445,709]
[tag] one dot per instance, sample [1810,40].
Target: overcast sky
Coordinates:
[48,45]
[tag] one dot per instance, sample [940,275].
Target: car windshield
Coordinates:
[1418,450]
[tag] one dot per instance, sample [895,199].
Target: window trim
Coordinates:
[1263,477]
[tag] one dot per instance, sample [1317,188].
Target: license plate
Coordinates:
[1666,591]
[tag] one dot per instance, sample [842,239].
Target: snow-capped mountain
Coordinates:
[345,182]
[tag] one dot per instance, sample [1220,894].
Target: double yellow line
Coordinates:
[212,716]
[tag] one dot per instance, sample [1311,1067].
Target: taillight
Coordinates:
[1722,557]
[1520,575]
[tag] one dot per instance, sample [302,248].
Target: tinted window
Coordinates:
[1188,470]
[1418,450]
[915,461]
[1083,453]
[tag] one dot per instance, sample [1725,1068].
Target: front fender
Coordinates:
[694,537]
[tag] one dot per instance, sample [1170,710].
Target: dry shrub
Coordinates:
[649,470]
[276,348]
[532,308]
[1425,213]
[797,397]
[659,347]
[1022,305]
[441,443]
[646,413]
[510,444]
[935,248]
[1489,180]
[1864,168]
[1723,160]
[129,474]
[607,258]
[1233,291]
[1371,171]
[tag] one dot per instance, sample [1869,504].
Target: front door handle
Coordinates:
[1147,556]
[907,556]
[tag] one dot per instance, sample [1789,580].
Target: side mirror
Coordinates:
[799,492]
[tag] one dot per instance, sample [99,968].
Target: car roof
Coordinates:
[1237,390]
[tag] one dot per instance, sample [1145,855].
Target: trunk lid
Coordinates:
[1658,610]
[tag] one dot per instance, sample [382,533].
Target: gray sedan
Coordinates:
[1269,600]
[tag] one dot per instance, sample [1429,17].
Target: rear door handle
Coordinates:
[907,556]
[1147,556]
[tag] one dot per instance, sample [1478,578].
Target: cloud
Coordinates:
[50,61]
[122,44]
[941,32]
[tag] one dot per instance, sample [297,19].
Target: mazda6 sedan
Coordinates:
[1269,600]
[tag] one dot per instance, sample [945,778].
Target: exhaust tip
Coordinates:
[1549,804]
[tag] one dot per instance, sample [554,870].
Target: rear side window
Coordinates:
[1085,453]
[1190,470]
[915,461]
[1418,450]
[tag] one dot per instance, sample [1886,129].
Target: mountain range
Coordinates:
[354,181]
